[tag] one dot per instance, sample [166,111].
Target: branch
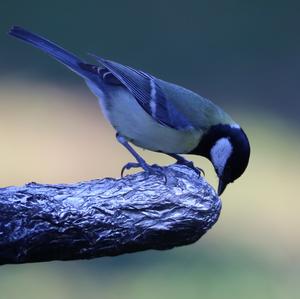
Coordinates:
[108,217]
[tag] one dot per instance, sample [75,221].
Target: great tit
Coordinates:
[157,115]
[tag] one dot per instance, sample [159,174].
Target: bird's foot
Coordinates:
[191,165]
[128,166]
[149,169]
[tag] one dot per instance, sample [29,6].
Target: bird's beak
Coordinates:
[221,187]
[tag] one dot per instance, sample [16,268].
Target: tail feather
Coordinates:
[57,52]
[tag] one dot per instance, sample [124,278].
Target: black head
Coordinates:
[228,148]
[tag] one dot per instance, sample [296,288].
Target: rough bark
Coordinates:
[107,217]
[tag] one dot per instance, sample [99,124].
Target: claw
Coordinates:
[157,170]
[149,169]
[191,165]
[198,170]
[182,161]
[128,166]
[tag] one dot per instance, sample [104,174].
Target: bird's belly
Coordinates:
[131,121]
[163,140]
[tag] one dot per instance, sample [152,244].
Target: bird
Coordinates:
[156,115]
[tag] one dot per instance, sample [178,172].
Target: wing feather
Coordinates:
[149,95]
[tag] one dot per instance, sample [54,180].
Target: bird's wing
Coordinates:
[149,95]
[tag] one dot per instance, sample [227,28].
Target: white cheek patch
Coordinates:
[220,153]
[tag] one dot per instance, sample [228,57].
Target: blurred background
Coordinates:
[244,55]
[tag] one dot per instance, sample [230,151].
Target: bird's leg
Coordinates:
[181,160]
[154,169]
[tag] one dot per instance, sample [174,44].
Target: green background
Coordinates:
[244,55]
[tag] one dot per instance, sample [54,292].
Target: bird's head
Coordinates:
[227,147]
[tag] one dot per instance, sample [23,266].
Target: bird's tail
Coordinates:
[57,52]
